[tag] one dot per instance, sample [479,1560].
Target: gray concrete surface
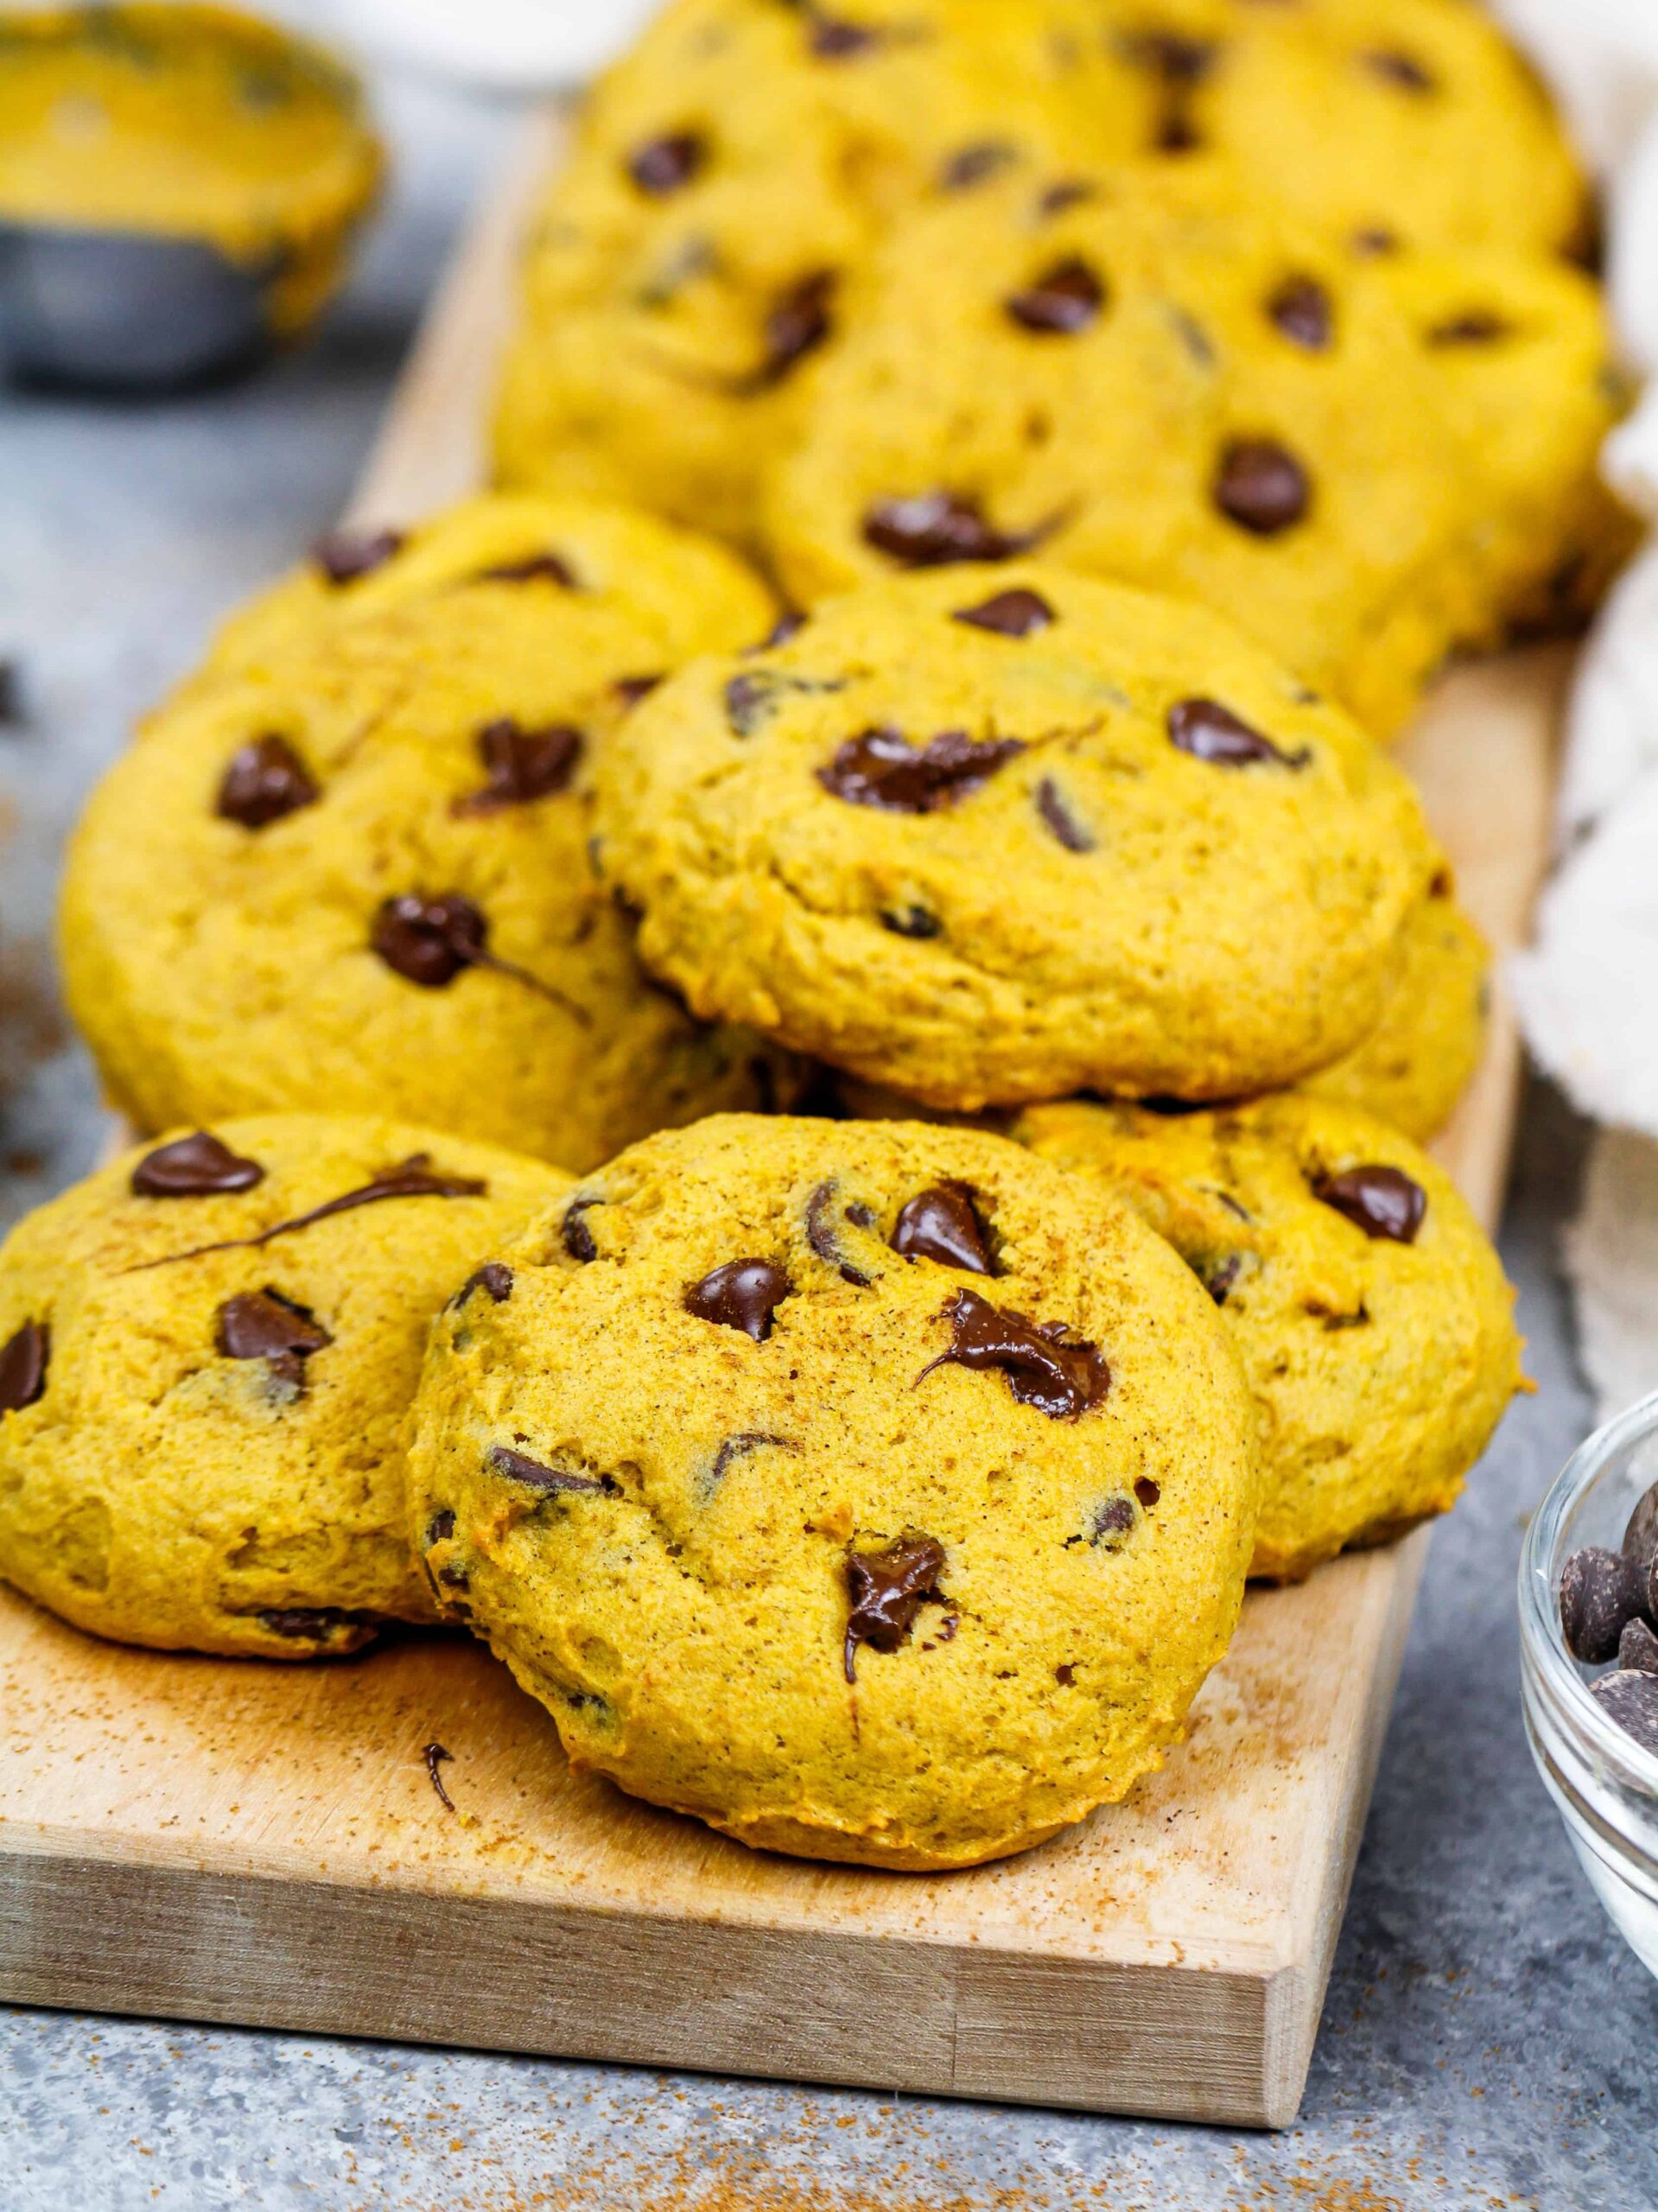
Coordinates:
[1487,2042]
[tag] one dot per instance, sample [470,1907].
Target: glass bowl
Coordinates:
[1604,1783]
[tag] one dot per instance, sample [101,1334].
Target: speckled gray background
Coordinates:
[1487,2042]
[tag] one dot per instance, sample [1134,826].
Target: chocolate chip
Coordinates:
[1262,487]
[1016,614]
[263,1324]
[563,1481]
[1056,814]
[1637,1649]
[1175,60]
[1210,732]
[24,1359]
[799,322]
[522,766]
[743,1294]
[577,1236]
[1148,1493]
[1394,67]
[912,922]
[411,1179]
[1176,131]
[440,1527]
[882,769]
[1060,1378]
[1632,1702]
[198,1167]
[1477,326]
[888,1589]
[789,624]
[533,569]
[1219,1277]
[1112,1524]
[664,165]
[1373,244]
[1601,1593]
[429,941]
[630,690]
[735,1448]
[834,39]
[1641,1536]
[342,1632]
[263,781]
[943,1224]
[1070,191]
[345,556]
[435,1756]
[1382,1201]
[1065,300]
[493,1277]
[972,164]
[936,529]
[1301,308]
[820,1235]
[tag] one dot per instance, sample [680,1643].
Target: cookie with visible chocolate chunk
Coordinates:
[1164,384]
[207,1351]
[998,834]
[1368,1308]
[872,1493]
[363,881]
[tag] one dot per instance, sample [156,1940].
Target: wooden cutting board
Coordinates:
[260,1844]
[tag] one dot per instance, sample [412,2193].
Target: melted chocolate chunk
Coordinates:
[577,1235]
[1017,613]
[936,529]
[820,1235]
[943,1224]
[799,322]
[533,569]
[264,780]
[630,690]
[668,164]
[199,1166]
[345,556]
[743,1294]
[427,940]
[321,1624]
[563,1481]
[1382,1201]
[912,922]
[1060,1379]
[410,1179]
[1065,300]
[263,1324]
[493,1277]
[887,1590]
[1052,807]
[882,769]
[522,766]
[1262,487]
[974,164]
[434,1755]
[1302,309]
[1210,732]
[24,1359]
[1477,326]
[1396,68]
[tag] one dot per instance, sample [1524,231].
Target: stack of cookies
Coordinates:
[832,1184]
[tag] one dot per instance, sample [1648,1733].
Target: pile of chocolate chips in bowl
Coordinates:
[1609,1610]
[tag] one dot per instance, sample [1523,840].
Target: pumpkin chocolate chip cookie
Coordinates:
[872,1493]
[362,880]
[1370,1312]
[207,1351]
[997,835]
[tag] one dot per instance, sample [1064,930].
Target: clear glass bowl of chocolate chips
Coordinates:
[1589,1663]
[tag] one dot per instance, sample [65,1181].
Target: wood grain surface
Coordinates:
[260,1844]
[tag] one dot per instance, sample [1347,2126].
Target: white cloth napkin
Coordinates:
[1588,990]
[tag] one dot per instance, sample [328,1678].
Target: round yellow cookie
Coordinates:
[871,1493]
[997,835]
[362,880]
[207,1351]
[1368,1308]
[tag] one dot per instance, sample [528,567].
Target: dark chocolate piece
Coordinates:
[912,922]
[735,1448]
[1301,308]
[1175,60]
[576,1235]
[1382,1201]
[1632,1700]
[1641,1536]
[743,1294]
[974,164]
[428,939]
[24,1359]
[522,766]
[800,321]
[263,1324]
[1068,192]
[434,1755]
[1112,1524]
[630,690]
[1210,732]
[264,781]
[1065,300]
[343,1632]
[887,1590]
[1601,1593]
[820,1235]
[1262,487]
[943,1224]
[346,555]
[536,1476]
[1045,1369]
[882,769]
[1055,810]
[1148,1493]
[1016,614]
[410,1179]
[493,1277]
[934,529]
[198,1167]
[1637,1649]
[834,39]
[668,164]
